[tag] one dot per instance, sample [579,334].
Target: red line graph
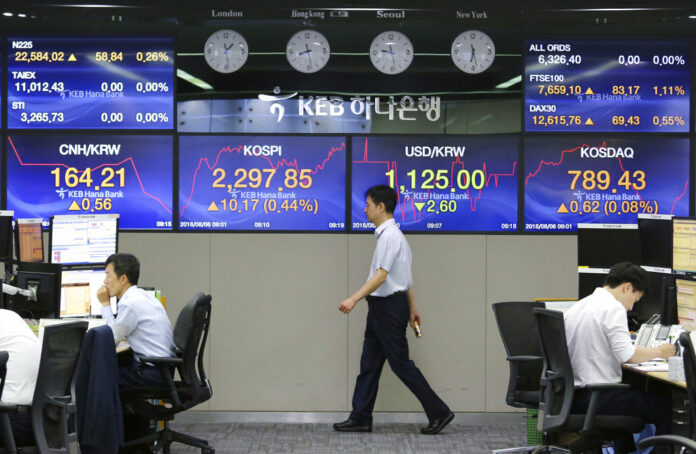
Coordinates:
[417,214]
[543,163]
[60,164]
[283,162]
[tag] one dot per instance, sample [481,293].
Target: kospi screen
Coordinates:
[262,183]
[452,183]
[49,174]
[88,82]
[578,179]
[600,85]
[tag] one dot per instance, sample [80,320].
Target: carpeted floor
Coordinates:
[322,439]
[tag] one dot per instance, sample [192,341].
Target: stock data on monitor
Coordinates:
[262,183]
[452,183]
[61,82]
[578,179]
[602,85]
[131,175]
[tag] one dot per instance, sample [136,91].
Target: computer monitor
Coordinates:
[83,239]
[29,240]
[656,300]
[78,293]
[655,231]
[604,245]
[6,235]
[589,279]
[684,244]
[686,302]
[44,278]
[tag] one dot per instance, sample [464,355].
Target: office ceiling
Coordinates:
[431,26]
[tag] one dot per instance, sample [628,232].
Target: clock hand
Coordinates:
[473,53]
[392,54]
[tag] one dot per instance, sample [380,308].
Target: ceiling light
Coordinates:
[7,14]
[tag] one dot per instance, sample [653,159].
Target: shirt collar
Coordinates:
[129,291]
[383,226]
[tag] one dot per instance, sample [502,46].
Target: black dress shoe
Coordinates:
[352,426]
[436,425]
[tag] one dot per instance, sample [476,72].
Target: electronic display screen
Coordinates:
[83,239]
[602,85]
[29,235]
[78,293]
[49,174]
[570,180]
[88,82]
[262,183]
[452,183]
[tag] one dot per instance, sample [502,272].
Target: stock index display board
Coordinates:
[606,85]
[57,82]
[49,174]
[574,179]
[444,184]
[262,183]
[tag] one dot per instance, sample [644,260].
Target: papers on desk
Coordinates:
[650,366]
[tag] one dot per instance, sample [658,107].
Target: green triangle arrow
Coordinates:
[419,205]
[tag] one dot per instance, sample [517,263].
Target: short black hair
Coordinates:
[628,272]
[126,264]
[382,193]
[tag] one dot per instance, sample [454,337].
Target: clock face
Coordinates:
[226,51]
[308,51]
[473,51]
[391,52]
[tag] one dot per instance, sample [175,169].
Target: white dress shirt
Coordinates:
[598,339]
[24,350]
[143,322]
[392,254]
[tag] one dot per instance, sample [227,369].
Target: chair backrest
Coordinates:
[4,356]
[517,327]
[557,383]
[690,375]
[59,352]
[190,336]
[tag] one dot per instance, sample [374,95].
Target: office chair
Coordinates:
[7,438]
[53,405]
[190,335]
[690,373]
[517,327]
[557,389]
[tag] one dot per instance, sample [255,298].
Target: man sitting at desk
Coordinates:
[141,320]
[599,342]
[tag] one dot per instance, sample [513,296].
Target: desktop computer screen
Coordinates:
[604,245]
[655,231]
[78,293]
[83,239]
[684,244]
[589,279]
[44,279]
[656,300]
[686,303]
[29,240]
[6,235]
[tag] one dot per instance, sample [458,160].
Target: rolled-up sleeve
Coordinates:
[616,329]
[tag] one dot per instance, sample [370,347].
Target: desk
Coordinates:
[662,377]
[122,346]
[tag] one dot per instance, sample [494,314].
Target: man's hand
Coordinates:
[103,296]
[415,317]
[667,350]
[347,305]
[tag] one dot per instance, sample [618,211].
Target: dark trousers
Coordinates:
[651,408]
[385,339]
[133,373]
[22,429]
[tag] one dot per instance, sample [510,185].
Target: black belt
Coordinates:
[373,299]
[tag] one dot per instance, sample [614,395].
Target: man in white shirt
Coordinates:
[141,320]
[389,294]
[24,351]
[599,342]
